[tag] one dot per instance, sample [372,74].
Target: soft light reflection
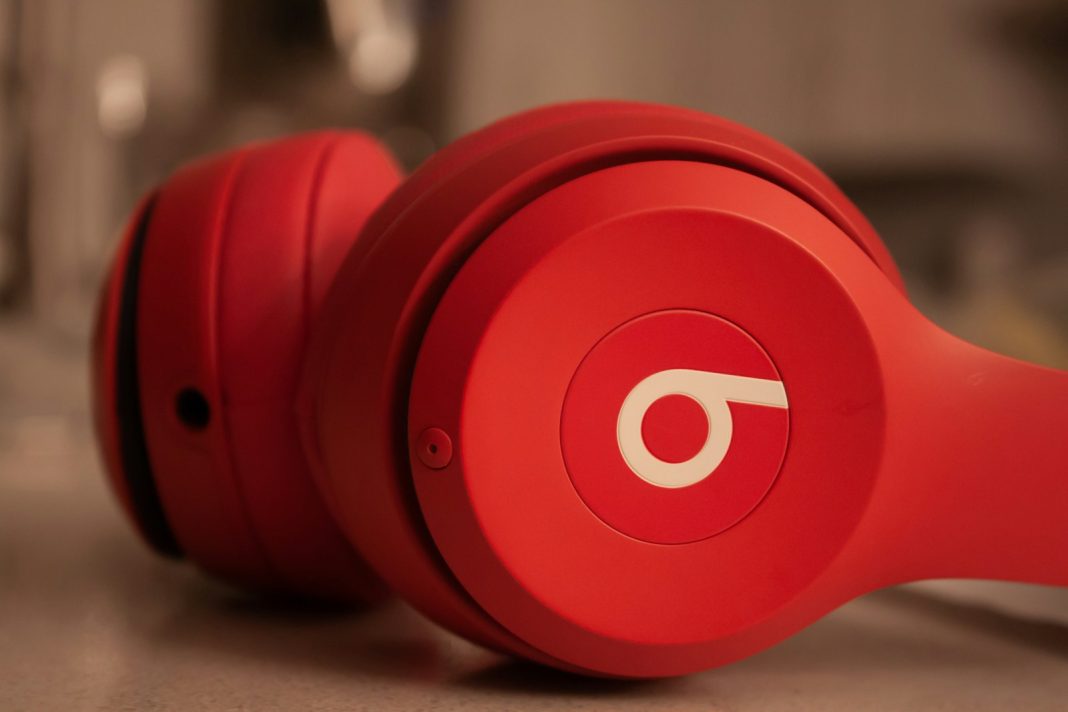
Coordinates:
[121,96]
[379,39]
[382,59]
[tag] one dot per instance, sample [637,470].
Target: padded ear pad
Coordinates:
[361,359]
[116,398]
[200,337]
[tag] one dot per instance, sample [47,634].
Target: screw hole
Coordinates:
[432,448]
[192,409]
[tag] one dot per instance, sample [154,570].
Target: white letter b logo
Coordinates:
[713,391]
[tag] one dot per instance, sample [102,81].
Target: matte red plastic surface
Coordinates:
[675,428]
[362,356]
[557,576]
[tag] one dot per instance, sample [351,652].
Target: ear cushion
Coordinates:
[360,364]
[234,265]
[116,401]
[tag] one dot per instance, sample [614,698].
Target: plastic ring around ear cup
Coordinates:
[235,257]
[362,357]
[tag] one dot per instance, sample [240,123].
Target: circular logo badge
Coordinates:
[675,426]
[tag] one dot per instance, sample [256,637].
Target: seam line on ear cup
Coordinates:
[308,240]
[327,153]
[137,468]
[222,227]
[244,479]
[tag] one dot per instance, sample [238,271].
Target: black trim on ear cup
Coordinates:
[133,449]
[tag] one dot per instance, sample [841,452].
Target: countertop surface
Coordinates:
[90,620]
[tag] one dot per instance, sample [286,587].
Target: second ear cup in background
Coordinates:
[236,255]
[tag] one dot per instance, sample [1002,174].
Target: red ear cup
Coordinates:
[431,535]
[541,515]
[200,337]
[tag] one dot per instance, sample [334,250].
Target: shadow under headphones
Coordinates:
[623,389]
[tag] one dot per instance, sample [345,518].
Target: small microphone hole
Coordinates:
[192,409]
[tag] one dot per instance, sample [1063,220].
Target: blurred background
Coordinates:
[945,120]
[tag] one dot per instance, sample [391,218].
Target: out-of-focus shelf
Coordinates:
[1039,26]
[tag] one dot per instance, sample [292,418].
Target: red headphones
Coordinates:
[624,389]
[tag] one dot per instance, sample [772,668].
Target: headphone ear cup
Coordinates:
[359,394]
[196,369]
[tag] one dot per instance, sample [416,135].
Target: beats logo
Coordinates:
[675,426]
[712,392]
